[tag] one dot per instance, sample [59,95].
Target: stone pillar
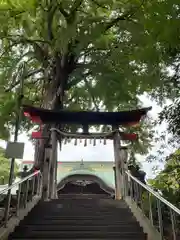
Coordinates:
[124,168]
[53,170]
[46,174]
[115,179]
[118,173]
[51,176]
[55,180]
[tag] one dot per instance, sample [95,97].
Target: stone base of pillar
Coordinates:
[118,198]
[55,196]
[117,185]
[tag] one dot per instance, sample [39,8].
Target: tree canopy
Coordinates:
[171,76]
[170,114]
[81,54]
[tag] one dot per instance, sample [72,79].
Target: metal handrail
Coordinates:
[158,219]
[19,182]
[28,188]
[155,194]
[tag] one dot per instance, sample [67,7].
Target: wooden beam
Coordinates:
[85,118]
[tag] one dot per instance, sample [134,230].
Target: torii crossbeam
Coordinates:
[83,117]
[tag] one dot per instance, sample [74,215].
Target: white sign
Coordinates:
[14,150]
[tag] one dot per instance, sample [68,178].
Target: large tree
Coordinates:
[82,54]
[84,45]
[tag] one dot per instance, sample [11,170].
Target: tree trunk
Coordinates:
[52,101]
[55,95]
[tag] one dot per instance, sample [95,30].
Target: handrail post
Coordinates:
[33,187]
[39,184]
[173,222]
[150,208]
[160,219]
[18,200]
[26,193]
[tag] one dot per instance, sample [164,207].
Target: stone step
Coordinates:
[48,227]
[79,222]
[79,234]
[79,219]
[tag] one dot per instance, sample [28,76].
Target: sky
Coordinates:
[100,152]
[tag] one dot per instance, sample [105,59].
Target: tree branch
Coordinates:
[99,5]
[62,11]
[18,39]
[77,80]
[90,92]
[22,39]
[70,17]
[50,17]
[70,99]
[123,17]
[8,49]
[76,5]
[30,74]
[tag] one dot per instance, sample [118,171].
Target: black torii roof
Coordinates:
[85,117]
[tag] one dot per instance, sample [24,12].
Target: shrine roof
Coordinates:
[86,117]
[75,163]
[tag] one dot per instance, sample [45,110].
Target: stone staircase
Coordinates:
[79,217]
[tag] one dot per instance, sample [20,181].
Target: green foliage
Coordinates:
[5,168]
[169,42]
[170,114]
[102,53]
[167,180]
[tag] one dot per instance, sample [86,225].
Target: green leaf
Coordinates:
[5,168]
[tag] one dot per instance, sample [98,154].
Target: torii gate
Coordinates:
[56,119]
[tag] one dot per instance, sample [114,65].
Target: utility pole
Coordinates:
[17,125]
